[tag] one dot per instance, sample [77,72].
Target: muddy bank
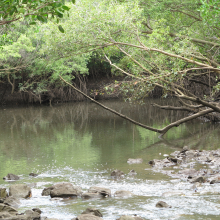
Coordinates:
[101,88]
[95,88]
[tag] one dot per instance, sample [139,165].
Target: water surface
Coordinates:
[82,143]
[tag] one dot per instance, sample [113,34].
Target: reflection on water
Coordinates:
[82,143]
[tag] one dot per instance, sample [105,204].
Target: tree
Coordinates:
[152,55]
[32,11]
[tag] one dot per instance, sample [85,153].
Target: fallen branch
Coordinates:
[161,131]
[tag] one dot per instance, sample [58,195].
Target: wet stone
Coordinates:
[162,204]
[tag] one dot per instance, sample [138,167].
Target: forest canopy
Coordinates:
[168,45]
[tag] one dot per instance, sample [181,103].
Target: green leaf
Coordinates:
[61,29]
[32,23]
[73,1]
[65,8]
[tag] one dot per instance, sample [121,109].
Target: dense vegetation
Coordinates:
[172,45]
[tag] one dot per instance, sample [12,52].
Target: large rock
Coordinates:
[6,215]
[87,217]
[102,191]
[12,201]
[3,193]
[123,193]
[133,161]
[20,190]
[65,190]
[8,209]
[30,214]
[92,211]
[46,191]
[11,176]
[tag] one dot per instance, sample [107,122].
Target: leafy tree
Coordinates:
[32,10]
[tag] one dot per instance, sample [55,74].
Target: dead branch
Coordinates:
[190,106]
[161,131]
[168,107]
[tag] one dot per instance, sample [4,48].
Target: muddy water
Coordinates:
[81,143]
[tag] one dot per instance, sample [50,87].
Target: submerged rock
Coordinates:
[128,217]
[162,204]
[123,193]
[169,194]
[132,173]
[87,217]
[92,211]
[11,176]
[133,161]
[33,174]
[117,173]
[197,180]
[20,191]
[88,195]
[100,190]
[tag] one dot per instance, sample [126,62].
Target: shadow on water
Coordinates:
[82,143]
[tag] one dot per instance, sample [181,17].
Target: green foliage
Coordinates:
[210,11]
[32,11]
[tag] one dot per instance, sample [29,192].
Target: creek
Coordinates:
[82,143]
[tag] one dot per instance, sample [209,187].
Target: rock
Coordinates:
[102,191]
[92,211]
[215,180]
[11,176]
[162,204]
[20,190]
[65,190]
[127,217]
[132,173]
[197,179]
[190,154]
[12,201]
[3,193]
[162,163]
[174,160]
[91,195]
[46,191]
[88,217]
[37,210]
[123,193]
[29,214]
[189,172]
[6,215]
[33,174]
[117,173]
[173,193]
[133,161]
[8,209]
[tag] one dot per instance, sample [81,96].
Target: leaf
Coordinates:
[32,23]
[65,8]
[73,1]
[61,29]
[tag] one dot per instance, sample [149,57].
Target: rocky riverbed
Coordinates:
[199,168]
